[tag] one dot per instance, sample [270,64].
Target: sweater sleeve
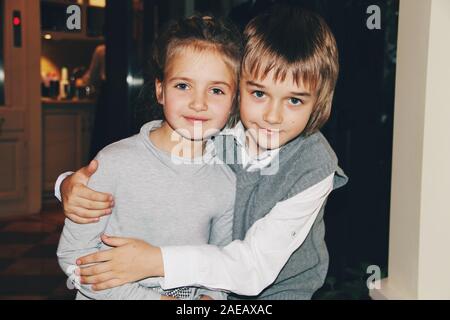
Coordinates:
[221,235]
[78,240]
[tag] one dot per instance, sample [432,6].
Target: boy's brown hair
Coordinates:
[290,39]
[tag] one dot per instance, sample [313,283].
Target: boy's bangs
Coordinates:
[258,66]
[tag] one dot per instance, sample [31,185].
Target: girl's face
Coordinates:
[197,93]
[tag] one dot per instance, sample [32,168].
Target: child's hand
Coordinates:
[81,204]
[131,260]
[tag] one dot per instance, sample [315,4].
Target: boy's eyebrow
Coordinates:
[251,83]
[260,86]
[190,80]
[303,94]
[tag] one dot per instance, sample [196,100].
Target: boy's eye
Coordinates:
[258,94]
[182,86]
[295,101]
[217,91]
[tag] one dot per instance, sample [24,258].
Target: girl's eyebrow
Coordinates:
[180,78]
[222,83]
[190,80]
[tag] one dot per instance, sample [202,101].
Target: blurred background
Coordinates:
[65,94]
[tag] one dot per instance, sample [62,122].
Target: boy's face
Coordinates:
[197,93]
[274,112]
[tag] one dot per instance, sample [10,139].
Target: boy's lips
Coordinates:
[268,131]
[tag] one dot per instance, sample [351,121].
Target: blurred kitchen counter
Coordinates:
[50,102]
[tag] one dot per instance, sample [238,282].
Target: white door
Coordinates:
[20,109]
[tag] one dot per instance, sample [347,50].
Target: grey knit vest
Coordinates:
[302,163]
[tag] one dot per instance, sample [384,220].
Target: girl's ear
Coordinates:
[159,91]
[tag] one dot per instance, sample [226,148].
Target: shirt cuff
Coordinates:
[181,266]
[59,182]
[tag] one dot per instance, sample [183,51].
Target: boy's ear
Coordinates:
[159,91]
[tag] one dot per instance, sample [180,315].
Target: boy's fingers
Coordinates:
[96,269]
[107,285]
[87,193]
[100,256]
[79,220]
[115,241]
[89,170]
[102,277]
[90,214]
[91,205]
[92,167]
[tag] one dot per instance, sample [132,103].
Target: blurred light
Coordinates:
[97,3]
[16,21]
[48,36]
[134,81]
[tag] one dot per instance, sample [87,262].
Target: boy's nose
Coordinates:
[273,114]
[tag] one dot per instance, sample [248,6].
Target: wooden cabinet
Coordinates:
[67,128]
[12,166]
[20,112]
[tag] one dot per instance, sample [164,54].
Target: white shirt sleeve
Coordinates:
[58,184]
[247,267]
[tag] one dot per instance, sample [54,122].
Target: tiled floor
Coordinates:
[28,264]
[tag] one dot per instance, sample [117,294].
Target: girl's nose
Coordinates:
[199,103]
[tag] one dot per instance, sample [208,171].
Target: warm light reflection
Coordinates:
[97,3]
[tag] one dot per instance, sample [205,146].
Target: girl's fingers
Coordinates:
[96,269]
[102,277]
[97,257]
[107,285]
[77,219]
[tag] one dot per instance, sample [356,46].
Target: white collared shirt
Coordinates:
[254,163]
[247,267]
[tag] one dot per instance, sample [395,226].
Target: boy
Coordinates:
[288,76]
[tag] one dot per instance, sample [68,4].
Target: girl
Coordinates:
[165,178]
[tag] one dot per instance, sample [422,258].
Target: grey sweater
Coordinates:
[303,162]
[158,200]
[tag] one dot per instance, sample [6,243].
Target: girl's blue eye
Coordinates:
[295,101]
[217,91]
[182,86]
[258,94]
